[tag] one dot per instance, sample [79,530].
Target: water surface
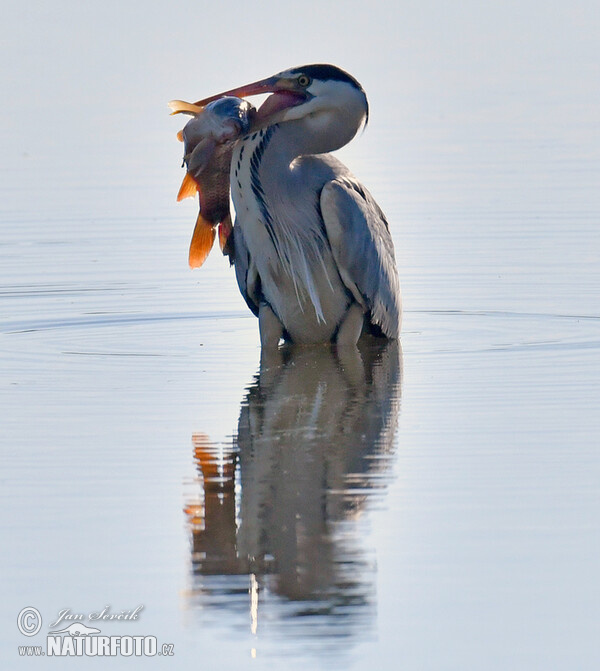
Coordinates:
[429,506]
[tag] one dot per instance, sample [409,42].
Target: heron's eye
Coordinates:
[303,80]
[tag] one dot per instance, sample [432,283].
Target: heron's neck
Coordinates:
[316,134]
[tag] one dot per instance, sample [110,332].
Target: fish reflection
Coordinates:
[280,504]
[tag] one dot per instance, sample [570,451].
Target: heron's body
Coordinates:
[284,260]
[313,253]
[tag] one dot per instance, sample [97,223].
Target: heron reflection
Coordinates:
[279,506]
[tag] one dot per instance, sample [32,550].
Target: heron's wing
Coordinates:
[362,247]
[245,270]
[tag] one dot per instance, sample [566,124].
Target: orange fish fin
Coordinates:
[181,107]
[188,187]
[180,135]
[225,230]
[202,242]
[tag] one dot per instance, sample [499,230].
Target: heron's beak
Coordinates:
[269,85]
[286,94]
[256,88]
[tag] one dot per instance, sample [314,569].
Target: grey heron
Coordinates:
[313,254]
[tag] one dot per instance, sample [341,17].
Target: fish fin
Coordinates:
[188,187]
[225,231]
[202,242]
[201,155]
[180,135]
[181,107]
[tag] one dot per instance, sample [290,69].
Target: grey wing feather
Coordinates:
[245,271]
[362,247]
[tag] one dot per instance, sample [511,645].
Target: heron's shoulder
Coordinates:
[346,189]
[326,166]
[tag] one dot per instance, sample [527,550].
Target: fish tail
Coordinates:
[202,241]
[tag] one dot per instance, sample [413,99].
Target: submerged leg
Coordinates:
[271,329]
[351,326]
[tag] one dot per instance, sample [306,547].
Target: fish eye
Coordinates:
[303,80]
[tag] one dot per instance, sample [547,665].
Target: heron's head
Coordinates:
[320,94]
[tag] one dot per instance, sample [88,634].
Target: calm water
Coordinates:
[430,506]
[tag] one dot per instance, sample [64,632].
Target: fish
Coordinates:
[208,140]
